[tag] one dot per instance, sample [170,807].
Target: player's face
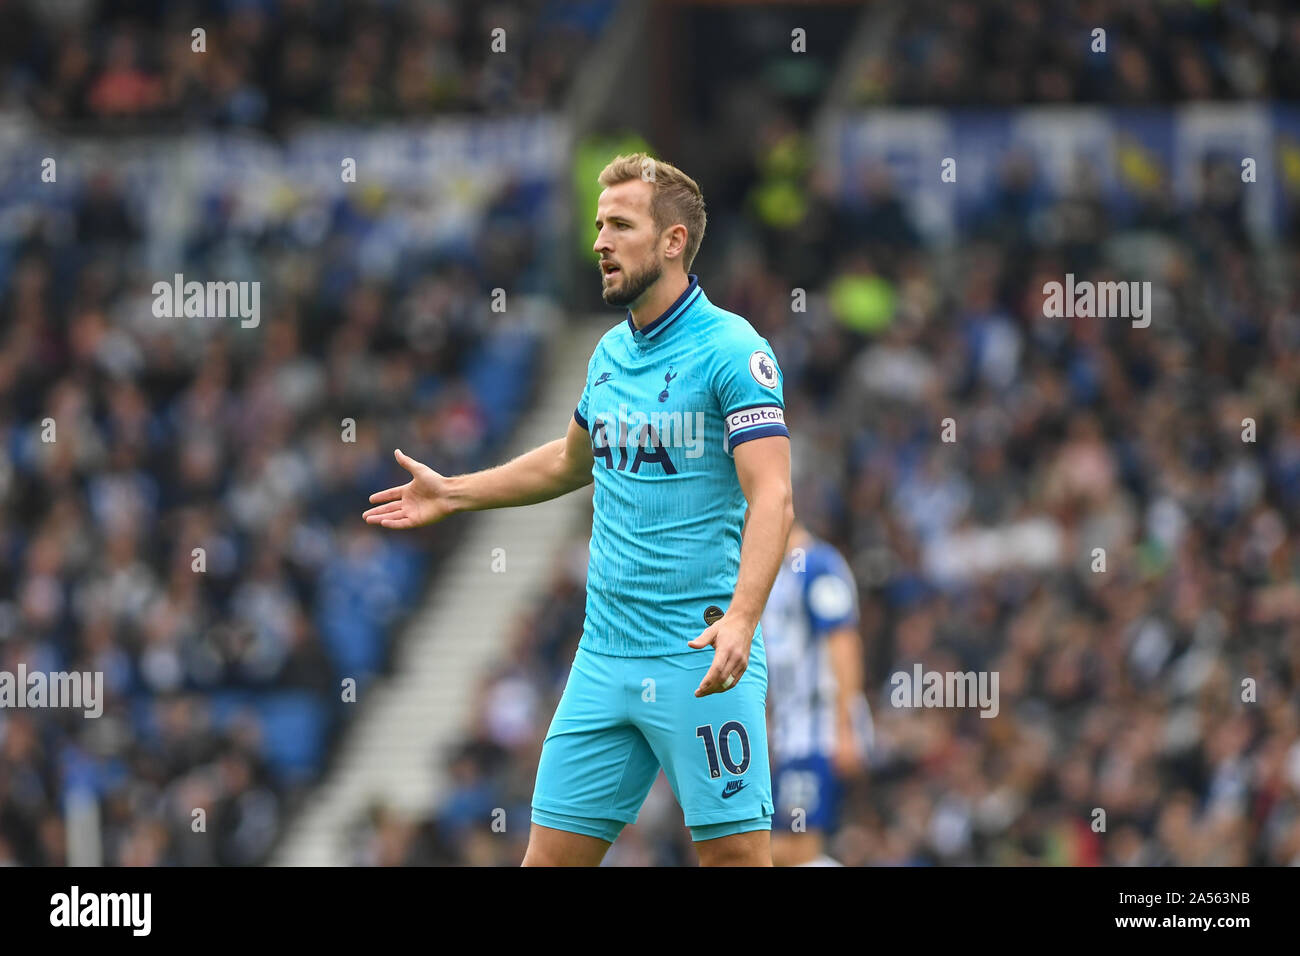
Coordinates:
[627,243]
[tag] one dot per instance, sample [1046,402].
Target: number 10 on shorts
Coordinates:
[722,746]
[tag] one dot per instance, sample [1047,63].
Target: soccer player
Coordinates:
[821,724]
[681,425]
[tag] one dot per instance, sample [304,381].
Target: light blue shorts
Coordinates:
[622,718]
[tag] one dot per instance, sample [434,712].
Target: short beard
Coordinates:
[634,287]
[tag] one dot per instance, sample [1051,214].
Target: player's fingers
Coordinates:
[737,664]
[729,663]
[397,523]
[388,494]
[735,671]
[706,637]
[711,678]
[375,513]
[405,460]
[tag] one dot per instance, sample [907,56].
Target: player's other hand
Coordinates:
[731,640]
[854,739]
[847,759]
[425,499]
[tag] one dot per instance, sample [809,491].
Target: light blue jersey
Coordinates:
[665,406]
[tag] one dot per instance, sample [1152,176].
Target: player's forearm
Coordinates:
[538,475]
[845,649]
[767,527]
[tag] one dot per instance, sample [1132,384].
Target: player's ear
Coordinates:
[675,243]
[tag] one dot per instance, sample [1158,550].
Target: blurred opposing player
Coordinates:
[681,425]
[820,722]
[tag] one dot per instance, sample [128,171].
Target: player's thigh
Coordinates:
[750,848]
[713,749]
[552,847]
[595,767]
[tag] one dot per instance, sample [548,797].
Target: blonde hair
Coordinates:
[675,197]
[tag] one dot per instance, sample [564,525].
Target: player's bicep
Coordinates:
[843,642]
[577,451]
[577,440]
[844,647]
[763,468]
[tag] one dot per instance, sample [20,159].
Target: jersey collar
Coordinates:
[671,314]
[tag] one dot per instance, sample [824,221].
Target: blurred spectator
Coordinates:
[1012,52]
[270,65]
[178,507]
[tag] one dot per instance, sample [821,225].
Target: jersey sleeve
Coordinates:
[747,382]
[830,593]
[582,413]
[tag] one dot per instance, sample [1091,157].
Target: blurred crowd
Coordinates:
[180,498]
[1110,524]
[1009,52]
[269,63]
[129,443]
